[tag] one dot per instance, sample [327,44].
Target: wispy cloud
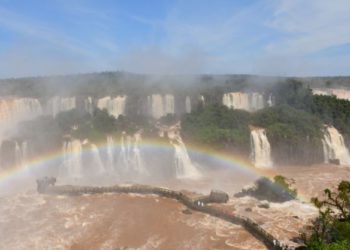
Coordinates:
[290,37]
[13,22]
[310,26]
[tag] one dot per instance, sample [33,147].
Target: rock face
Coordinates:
[215,196]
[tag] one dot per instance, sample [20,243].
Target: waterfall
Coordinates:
[14,110]
[260,148]
[137,158]
[159,105]
[339,93]
[72,159]
[236,100]
[188,104]
[123,155]
[169,104]
[21,153]
[24,151]
[110,154]
[202,99]
[88,105]
[130,157]
[114,106]
[97,164]
[245,101]
[334,147]
[270,102]
[183,165]
[58,104]
[156,106]
[256,102]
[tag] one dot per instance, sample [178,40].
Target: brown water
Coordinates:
[32,221]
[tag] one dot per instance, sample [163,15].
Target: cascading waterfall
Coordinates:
[114,106]
[256,101]
[339,93]
[246,101]
[137,158]
[14,110]
[334,147]
[24,152]
[159,105]
[260,148]
[236,100]
[20,153]
[110,154]
[72,159]
[188,105]
[155,104]
[97,164]
[130,157]
[123,155]
[183,165]
[270,101]
[88,105]
[58,104]
[169,104]
[202,99]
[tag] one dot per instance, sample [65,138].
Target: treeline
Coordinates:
[119,82]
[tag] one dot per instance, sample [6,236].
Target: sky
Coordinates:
[267,37]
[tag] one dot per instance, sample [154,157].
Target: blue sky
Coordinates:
[270,37]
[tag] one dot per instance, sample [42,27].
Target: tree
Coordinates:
[331,230]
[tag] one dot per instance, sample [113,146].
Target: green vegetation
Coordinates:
[287,123]
[285,184]
[294,94]
[331,230]
[333,111]
[218,126]
[290,131]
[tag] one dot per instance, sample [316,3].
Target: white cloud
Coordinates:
[309,26]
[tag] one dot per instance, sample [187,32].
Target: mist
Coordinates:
[212,119]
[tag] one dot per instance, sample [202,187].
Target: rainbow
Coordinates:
[221,157]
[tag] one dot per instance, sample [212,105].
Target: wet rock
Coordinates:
[187,211]
[264,204]
[248,209]
[217,196]
[265,189]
